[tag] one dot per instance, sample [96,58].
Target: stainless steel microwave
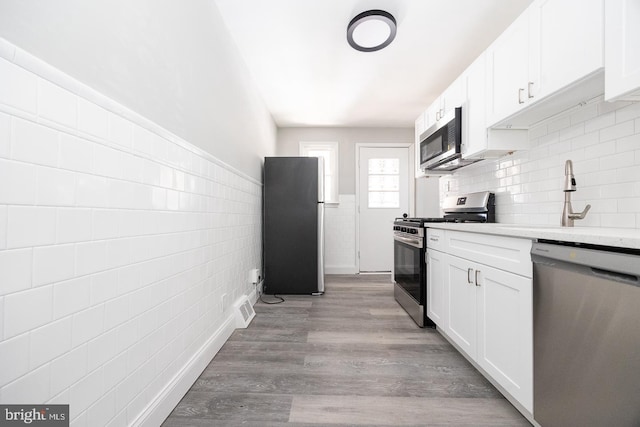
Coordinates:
[440,145]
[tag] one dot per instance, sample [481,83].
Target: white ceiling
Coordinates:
[308,74]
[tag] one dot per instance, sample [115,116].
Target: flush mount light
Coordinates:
[371,30]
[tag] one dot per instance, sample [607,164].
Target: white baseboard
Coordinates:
[162,405]
[340,269]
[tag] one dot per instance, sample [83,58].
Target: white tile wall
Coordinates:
[602,139]
[117,241]
[340,236]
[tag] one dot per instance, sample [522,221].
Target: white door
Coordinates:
[383,196]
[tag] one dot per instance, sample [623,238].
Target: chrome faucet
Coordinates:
[568,216]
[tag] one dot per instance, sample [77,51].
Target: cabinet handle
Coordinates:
[433,239]
[437,115]
[469,271]
[529,94]
[477,283]
[520,92]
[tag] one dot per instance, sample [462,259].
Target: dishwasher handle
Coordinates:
[614,275]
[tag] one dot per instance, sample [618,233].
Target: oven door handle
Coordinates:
[411,242]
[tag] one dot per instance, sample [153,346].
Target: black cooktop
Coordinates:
[462,217]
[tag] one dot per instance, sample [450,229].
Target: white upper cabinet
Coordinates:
[552,46]
[451,98]
[508,81]
[622,43]
[478,142]
[570,43]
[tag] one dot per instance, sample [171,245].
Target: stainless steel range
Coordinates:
[409,249]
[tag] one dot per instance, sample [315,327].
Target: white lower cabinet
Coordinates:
[486,311]
[504,317]
[436,302]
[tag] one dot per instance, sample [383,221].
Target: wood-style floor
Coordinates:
[349,357]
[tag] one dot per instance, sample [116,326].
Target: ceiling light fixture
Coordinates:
[371,30]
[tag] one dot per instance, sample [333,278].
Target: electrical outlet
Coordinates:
[255,276]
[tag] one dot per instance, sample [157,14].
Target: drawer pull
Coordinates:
[469,272]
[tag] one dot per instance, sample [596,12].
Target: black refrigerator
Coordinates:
[293,225]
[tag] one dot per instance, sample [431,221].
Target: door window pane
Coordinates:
[384,166]
[384,183]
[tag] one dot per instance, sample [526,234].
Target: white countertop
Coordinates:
[619,237]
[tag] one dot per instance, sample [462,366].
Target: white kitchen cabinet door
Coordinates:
[474,125]
[622,50]
[452,97]
[436,288]
[461,303]
[420,126]
[505,331]
[567,38]
[433,113]
[508,70]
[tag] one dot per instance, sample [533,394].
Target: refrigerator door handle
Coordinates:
[321,179]
[321,247]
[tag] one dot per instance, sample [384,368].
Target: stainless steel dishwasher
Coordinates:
[586,335]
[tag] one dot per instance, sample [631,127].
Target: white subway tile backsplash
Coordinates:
[92,191]
[55,187]
[15,270]
[18,183]
[102,349]
[73,225]
[600,122]
[618,131]
[87,325]
[618,220]
[106,223]
[32,387]
[57,104]
[27,310]
[117,311]
[49,342]
[22,91]
[104,286]
[92,119]
[13,358]
[90,257]
[53,264]
[101,412]
[107,161]
[31,226]
[628,175]
[120,131]
[34,143]
[631,205]
[142,140]
[116,242]
[71,296]
[5,135]
[1,320]
[606,161]
[85,392]
[76,154]
[630,112]
[68,369]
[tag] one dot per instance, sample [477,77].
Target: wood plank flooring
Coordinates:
[349,357]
